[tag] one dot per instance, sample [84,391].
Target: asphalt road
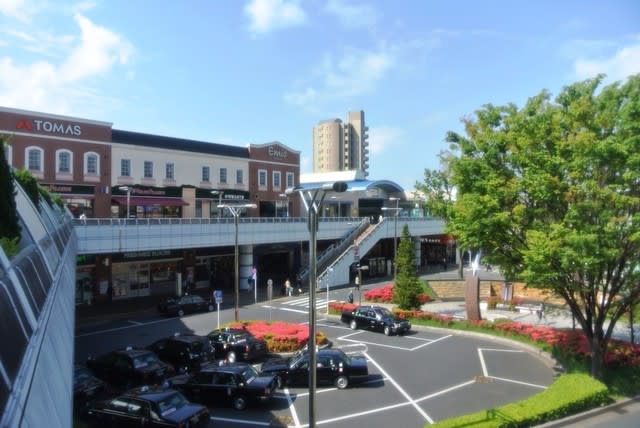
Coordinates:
[426,376]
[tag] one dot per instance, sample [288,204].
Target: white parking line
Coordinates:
[402,348]
[135,322]
[109,330]
[240,421]
[399,388]
[485,372]
[294,415]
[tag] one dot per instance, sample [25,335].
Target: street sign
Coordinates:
[217,295]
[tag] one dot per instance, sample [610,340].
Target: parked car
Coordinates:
[237,384]
[237,345]
[86,387]
[334,367]
[148,407]
[375,318]
[130,367]
[187,304]
[186,352]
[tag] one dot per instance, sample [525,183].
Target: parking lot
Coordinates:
[423,377]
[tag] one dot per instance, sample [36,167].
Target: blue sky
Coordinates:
[240,72]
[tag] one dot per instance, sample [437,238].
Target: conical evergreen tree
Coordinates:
[407,284]
[9,225]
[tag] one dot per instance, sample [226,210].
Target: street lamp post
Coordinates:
[128,190]
[395,232]
[235,211]
[312,199]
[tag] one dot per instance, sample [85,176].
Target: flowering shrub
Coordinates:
[385,295]
[279,335]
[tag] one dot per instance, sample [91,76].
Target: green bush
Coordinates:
[569,394]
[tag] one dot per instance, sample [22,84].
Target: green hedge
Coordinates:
[568,395]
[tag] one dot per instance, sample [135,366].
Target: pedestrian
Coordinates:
[350,296]
[540,311]
[288,288]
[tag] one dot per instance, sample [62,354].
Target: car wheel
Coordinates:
[387,330]
[210,308]
[353,325]
[342,382]
[239,403]
[180,312]
[231,357]
[279,382]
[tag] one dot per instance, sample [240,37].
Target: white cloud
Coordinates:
[623,63]
[99,49]
[59,86]
[16,9]
[381,139]
[352,15]
[354,73]
[268,15]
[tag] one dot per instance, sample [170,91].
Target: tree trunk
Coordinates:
[460,267]
[598,347]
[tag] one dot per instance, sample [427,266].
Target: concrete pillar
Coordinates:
[246,265]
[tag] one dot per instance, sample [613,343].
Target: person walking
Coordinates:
[287,287]
[540,312]
[350,296]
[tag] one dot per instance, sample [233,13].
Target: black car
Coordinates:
[185,352]
[237,345]
[187,304]
[86,387]
[234,383]
[130,367]
[334,367]
[148,407]
[375,318]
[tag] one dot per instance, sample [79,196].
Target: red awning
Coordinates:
[146,201]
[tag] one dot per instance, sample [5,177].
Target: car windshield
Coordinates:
[144,360]
[81,375]
[171,403]
[384,312]
[295,360]
[249,374]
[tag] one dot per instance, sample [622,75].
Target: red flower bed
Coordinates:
[280,336]
[385,295]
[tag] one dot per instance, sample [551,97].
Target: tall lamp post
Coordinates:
[235,211]
[312,199]
[395,231]
[128,190]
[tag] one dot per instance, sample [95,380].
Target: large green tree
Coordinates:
[407,285]
[551,192]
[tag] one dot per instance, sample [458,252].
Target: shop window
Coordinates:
[290,179]
[223,175]
[91,164]
[262,178]
[169,171]
[199,209]
[206,177]
[276,180]
[125,167]
[34,159]
[148,169]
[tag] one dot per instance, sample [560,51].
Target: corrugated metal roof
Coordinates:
[171,143]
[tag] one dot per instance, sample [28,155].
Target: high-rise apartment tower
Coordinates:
[341,146]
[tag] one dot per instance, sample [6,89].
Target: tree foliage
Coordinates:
[551,192]
[9,225]
[30,185]
[407,284]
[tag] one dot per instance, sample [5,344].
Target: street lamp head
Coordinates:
[124,188]
[393,198]
[338,187]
